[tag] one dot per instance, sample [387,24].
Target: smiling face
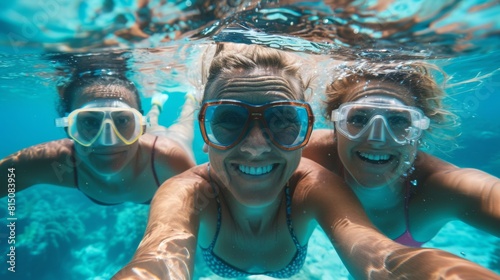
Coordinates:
[103,158]
[255,170]
[375,159]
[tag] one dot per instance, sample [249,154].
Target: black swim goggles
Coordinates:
[224,123]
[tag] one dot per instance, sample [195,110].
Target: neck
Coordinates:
[253,219]
[377,198]
[119,178]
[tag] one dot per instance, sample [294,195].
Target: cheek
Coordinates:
[407,159]
[292,161]
[132,149]
[409,154]
[216,159]
[295,157]
[82,154]
[82,151]
[343,147]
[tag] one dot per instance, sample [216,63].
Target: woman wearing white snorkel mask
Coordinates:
[379,120]
[108,155]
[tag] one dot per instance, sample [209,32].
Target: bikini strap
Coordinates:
[73,161]
[153,163]
[289,216]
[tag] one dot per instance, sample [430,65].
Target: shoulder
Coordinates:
[441,181]
[193,181]
[322,149]
[321,195]
[434,172]
[163,146]
[169,157]
[188,192]
[308,169]
[316,183]
[429,164]
[321,139]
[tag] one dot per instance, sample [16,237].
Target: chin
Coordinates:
[107,171]
[256,201]
[376,180]
[256,198]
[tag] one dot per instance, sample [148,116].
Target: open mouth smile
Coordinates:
[255,171]
[375,159]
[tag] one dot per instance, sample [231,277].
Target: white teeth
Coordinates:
[255,170]
[375,157]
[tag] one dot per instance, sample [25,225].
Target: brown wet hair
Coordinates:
[113,86]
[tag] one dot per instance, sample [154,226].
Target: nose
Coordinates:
[377,130]
[255,142]
[108,136]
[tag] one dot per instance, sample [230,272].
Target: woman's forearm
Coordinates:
[170,258]
[370,255]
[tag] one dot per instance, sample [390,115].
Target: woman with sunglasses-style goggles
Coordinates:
[224,123]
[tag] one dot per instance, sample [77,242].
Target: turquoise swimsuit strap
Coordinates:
[289,216]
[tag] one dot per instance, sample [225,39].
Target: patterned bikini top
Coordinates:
[224,269]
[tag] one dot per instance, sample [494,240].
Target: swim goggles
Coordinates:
[403,123]
[224,123]
[114,124]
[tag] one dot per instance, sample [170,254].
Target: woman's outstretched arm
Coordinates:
[367,253]
[47,163]
[452,193]
[168,247]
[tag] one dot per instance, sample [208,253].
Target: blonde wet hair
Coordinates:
[230,58]
[419,79]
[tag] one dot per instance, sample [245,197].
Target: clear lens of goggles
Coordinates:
[225,123]
[108,124]
[403,123]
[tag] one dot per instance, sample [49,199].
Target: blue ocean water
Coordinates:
[60,234]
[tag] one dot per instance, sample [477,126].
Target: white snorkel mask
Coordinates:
[378,115]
